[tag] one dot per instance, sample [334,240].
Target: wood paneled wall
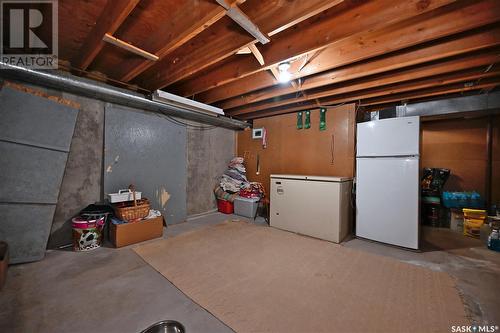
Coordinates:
[461,146]
[495,166]
[305,151]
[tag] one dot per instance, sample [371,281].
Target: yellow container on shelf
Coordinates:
[473,220]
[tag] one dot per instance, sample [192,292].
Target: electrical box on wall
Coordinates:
[257,133]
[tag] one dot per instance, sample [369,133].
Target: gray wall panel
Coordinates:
[35,120]
[25,229]
[30,174]
[209,152]
[150,152]
[82,181]
[35,138]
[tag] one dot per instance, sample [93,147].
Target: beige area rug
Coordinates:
[260,279]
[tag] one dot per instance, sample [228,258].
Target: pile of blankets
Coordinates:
[234,177]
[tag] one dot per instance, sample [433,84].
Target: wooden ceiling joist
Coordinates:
[237,15]
[224,41]
[385,90]
[459,44]
[109,21]
[256,53]
[312,35]
[130,70]
[416,30]
[410,95]
[415,72]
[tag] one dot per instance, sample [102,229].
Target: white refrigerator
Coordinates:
[387,181]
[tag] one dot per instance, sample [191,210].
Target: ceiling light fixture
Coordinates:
[284,74]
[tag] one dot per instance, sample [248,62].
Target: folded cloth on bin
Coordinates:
[223,195]
[252,190]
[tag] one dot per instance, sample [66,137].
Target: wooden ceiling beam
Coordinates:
[391,89]
[342,21]
[335,27]
[237,15]
[256,53]
[223,40]
[463,43]
[455,64]
[406,96]
[113,15]
[131,68]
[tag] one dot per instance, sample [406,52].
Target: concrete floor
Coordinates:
[114,290]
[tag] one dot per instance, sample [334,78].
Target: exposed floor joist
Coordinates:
[340,49]
[109,21]
[309,36]
[441,84]
[221,43]
[415,72]
[459,44]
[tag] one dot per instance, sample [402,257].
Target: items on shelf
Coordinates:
[473,220]
[462,200]
[432,183]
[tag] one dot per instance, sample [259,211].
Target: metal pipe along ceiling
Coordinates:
[88,88]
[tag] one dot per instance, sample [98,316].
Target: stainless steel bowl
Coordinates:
[165,326]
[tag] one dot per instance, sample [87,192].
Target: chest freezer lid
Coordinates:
[311,177]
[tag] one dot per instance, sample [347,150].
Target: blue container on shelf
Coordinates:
[462,200]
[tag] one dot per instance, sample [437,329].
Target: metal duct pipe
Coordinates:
[482,102]
[88,88]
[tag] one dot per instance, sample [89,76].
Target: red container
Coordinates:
[225,207]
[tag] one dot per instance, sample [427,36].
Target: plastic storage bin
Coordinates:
[473,220]
[462,200]
[225,206]
[246,206]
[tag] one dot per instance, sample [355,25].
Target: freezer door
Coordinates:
[389,137]
[387,200]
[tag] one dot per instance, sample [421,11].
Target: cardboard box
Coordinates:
[131,233]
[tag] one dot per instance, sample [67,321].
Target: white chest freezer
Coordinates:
[312,205]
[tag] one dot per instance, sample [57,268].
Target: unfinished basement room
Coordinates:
[260,166]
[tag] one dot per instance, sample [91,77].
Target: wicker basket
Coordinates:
[132,210]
